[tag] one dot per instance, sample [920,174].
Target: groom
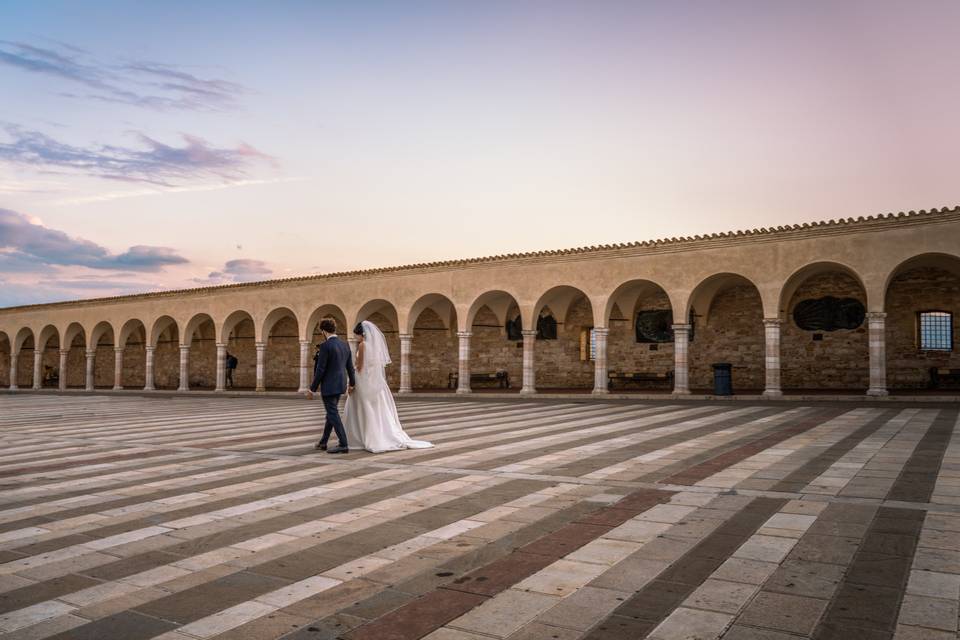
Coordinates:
[333,360]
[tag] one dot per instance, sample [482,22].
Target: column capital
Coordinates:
[601,331]
[184,347]
[681,327]
[118,349]
[406,337]
[221,345]
[772,322]
[464,334]
[529,333]
[305,343]
[876,315]
[90,353]
[150,348]
[260,345]
[64,352]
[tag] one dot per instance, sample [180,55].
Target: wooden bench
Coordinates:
[501,378]
[639,378]
[939,375]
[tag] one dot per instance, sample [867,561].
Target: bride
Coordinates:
[371,416]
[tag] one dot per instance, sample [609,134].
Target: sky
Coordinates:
[149,146]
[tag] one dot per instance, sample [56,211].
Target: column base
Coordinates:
[464,391]
[183,389]
[680,392]
[878,393]
[149,388]
[260,389]
[404,392]
[88,388]
[218,389]
[772,393]
[118,388]
[303,389]
[526,391]
[36,388]
[601,391]
[14,387]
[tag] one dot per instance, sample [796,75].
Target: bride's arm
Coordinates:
[360,358]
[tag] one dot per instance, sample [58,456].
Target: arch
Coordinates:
[48,344]
[559,299]
[497,301]
[46,334]
[628,353]
[102,343]
[923,283]
[374,307]
[165,340]
[23,347]
[311,328]
[160,326]
[23,335]
[75,341]
[281,333]
[440,304]
[432,321]
[725,311]
[804,273]
[230,323]
[383,314]
[272,318]
[194,324]
[200,334]
[238,332]
[133,341]
[834,358]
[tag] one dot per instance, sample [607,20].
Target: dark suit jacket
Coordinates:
[333,361]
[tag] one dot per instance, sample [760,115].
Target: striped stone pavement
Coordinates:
[185,518]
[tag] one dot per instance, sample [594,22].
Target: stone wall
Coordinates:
[242,344]
[166,360]
[626,355]
[5,365]
[733,333]
[282,359]
[557,362]
[25,366]
[491,351]
[433,355]
[841,359]
[914,291]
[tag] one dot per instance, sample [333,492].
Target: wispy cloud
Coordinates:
[153,162]
[240,270]
[26,245]
[153,191]
[146,84]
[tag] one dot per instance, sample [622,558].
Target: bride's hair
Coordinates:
[358,330]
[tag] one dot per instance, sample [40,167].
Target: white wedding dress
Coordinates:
[371,419]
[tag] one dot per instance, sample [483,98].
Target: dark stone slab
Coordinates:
[618,627]
[47,590]
[880,570]
[865,607]
[565,540]
[810,579]
[655,601]
[419,617]
[128,625]
[501,574]
[208,598]
[380,604]
[793,614]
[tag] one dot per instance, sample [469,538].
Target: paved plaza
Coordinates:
[124,517]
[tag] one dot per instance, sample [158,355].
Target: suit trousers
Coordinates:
[331,404]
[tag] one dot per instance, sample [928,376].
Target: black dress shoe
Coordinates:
[338,449]
[322,446]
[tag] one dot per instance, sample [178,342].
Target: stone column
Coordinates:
[184,368]
[406,345]
[304,366]
[876,326]
[261,353]
[63,369]
[529,373]
[37,364]
[221,366]
[91,370]
[148,377]
[13,370]
[681,371]
[117,368]
[600,360]
[463,368]
[771,332]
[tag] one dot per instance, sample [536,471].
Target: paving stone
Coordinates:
[936,613]
[684,624]
[505,614]
[721,596]
[793,614]
[810,579]
[584,608]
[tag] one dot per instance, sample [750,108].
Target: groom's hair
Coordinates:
[328,325]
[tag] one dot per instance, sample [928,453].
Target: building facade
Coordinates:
[856,305]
